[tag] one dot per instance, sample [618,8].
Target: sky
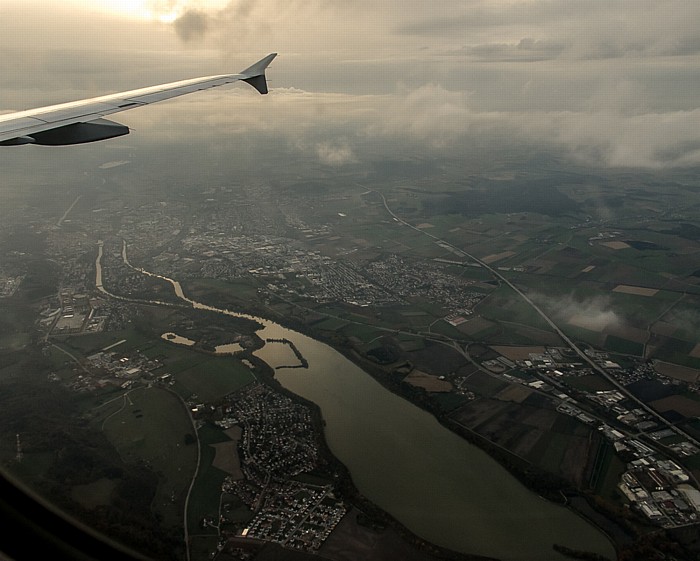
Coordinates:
[604,83]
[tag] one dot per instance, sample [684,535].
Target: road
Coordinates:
[65,214]
[100,287]
[549,322]
[194,475]
[73,357]
[125,397]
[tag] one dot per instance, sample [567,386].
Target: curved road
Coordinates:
[101,288]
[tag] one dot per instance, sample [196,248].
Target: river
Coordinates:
[441,487]
[438,485]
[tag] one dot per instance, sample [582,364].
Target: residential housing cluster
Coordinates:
[278,442]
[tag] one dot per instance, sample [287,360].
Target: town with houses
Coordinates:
[655,484]
[277,443]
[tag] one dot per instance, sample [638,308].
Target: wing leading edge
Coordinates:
[82,121]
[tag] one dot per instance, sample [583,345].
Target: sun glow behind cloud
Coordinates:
[165,11]
[606,83]
[136,9]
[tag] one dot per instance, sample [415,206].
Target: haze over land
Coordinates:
[490,206]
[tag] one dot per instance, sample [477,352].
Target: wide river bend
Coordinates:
[441,487]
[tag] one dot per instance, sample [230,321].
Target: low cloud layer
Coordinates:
[601,83]
[593,314]
[335,154]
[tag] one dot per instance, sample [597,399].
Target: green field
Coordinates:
[444,328]
[364,333]
[576,333]
[330,324]
[202,545]
[409,344]
[61,360]
[552,453]
[208,288]
[206,493]
[213,378]
[504,304]
[449,401]
[149,425]
[14,341]
[483,384]
[168,353]
[623,346]
[94,342]
[608,475]
[591,383]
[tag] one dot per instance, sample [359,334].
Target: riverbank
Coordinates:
[434,482]
[544,484]
[372,516]
[622,527]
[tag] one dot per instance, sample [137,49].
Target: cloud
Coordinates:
[653,140]
[289,25]
[593,314]
[604,84]
[191,25]
[525,50]
[589,29]
[432,121]
[445,121]
[335,154]
[429,113]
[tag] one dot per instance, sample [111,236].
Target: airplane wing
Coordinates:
[82,121]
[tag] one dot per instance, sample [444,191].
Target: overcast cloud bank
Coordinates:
[606,84]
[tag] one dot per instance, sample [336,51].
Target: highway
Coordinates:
[549,321]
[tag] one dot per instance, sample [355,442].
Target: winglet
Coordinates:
[255,74]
